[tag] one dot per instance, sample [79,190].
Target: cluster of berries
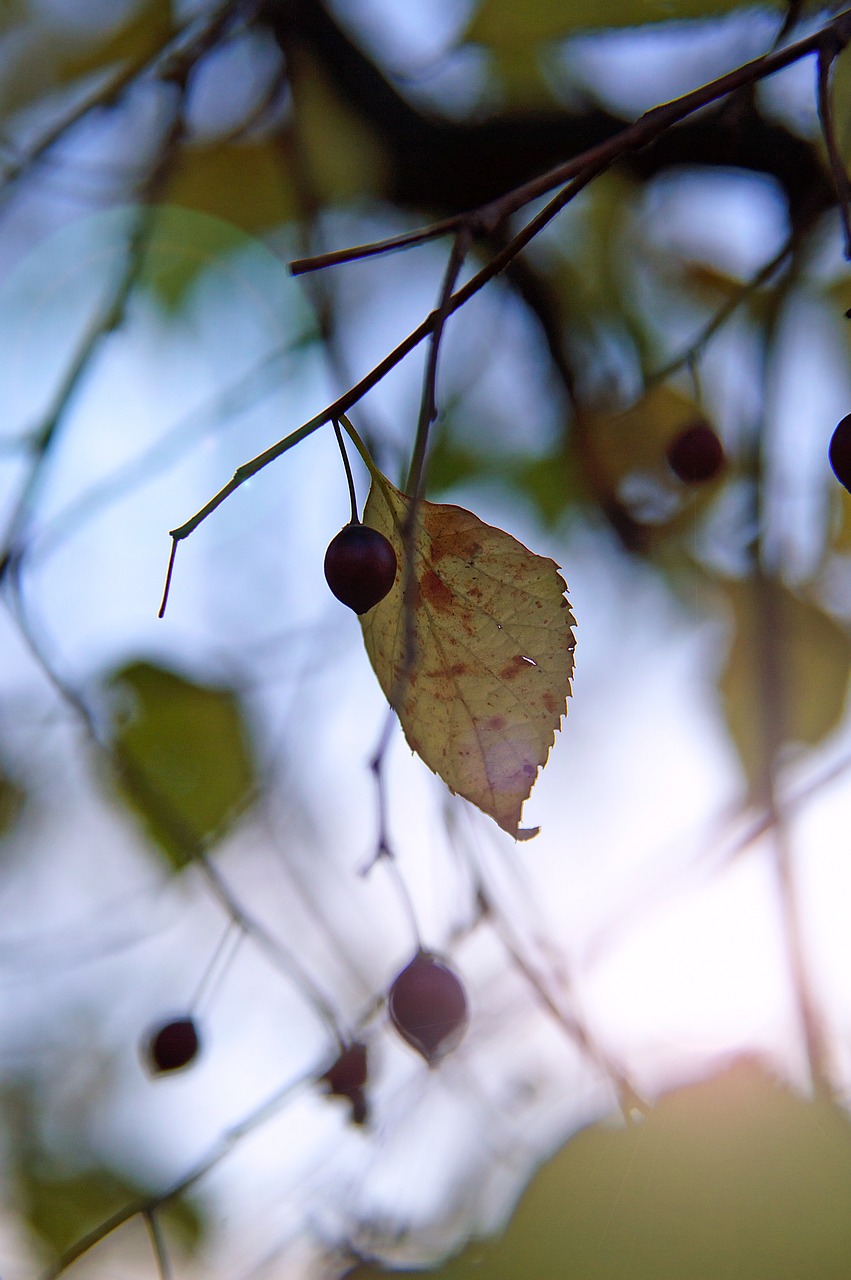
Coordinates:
[427,1006]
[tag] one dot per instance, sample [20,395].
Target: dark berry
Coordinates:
[346,1078]
[839,452]
[428,1007]
[360,566]
[172,1046]
[349,1072]
[696,454]
[360,1109]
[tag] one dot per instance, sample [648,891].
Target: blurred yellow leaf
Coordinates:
[636,439]
[786,677]
[479,673]
[342,153]
[734,1178]
[503,22]
[709,283]
[147,29]
[12,801]
[247,184]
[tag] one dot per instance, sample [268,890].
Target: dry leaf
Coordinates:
[478,666]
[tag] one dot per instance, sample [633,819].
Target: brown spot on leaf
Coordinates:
[436,592]
[517,664]
[458,669]
[496,723]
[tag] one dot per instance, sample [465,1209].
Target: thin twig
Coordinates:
[148,1206]
[177,53]
[645,130]
[383,848]
[629,1100]
[577,173]
[826,55]
[428,402]
[344,402]
[150,800]
[689,355]
[299,266]
[108,319]
[218,964]
[158,1245]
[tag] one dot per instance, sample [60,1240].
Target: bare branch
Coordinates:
[299,266]
[645,130]
[690,354]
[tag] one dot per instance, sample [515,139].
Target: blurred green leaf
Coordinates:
[786,676]
[734,1178]
[549,485]
[183,756]
[61,1208]
[451,464]
[185,243]
[544,482]
[501,23]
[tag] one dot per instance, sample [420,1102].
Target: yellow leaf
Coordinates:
[636,438]
[248,184]
[503,22]
[478,665]
[147,29]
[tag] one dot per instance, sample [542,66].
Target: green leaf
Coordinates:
[184,761]
[734,1178]
[503,23]
[184,243]
[786,676]
[549,484]
[62,1207]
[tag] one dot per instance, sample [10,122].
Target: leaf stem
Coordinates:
[349,478]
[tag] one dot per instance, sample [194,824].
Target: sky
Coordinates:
[642,903]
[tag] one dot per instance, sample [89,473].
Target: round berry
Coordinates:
[428,1007]
[696,454]
[172,1046]
[360,566]
[839,452]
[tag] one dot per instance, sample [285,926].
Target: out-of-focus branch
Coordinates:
[171,60]
[109,318]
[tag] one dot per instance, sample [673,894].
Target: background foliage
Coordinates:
[188,805]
